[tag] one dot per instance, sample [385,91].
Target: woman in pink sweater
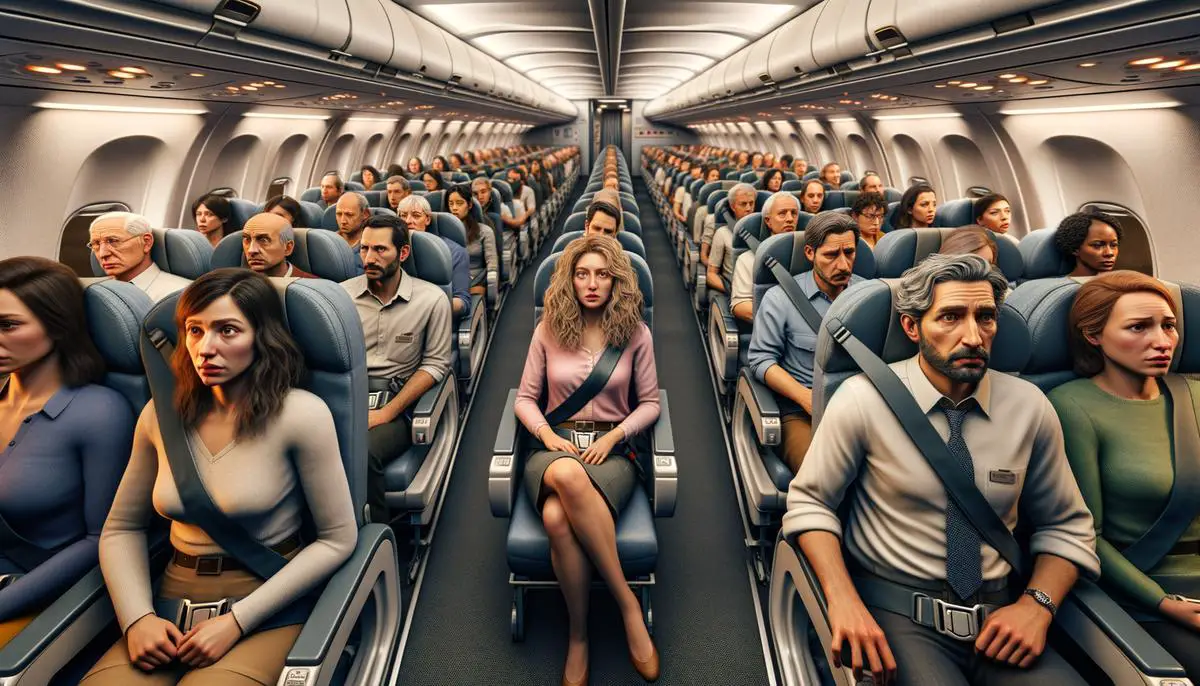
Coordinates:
[593,302]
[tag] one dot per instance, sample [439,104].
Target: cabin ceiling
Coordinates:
[635,49]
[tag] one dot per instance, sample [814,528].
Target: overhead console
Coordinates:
[826,44]
[372,39]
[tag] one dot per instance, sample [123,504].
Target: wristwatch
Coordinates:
[1182,598]
[1042,598]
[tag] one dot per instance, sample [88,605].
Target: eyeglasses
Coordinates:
[873,218]
[412,215]
[111,242]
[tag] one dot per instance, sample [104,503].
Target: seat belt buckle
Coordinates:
[191,614]
[210,565]
[7,580]
[960,622]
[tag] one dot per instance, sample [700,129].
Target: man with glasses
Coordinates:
[417,216]
[121,242]
[869,211]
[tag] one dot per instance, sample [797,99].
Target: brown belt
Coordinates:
[213,565]
[1186,548]
[588,426]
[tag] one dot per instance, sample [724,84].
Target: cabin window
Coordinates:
[978,191]
[73,250]
[278,187]
[1136,251]
[223,192]
[916,180]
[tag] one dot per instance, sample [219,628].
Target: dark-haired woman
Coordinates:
[481,237]
[287,207]
[993,212]
[266,451]
[440,164]
[918,208]
[212,213]
[433,181]
[772,180]
[370,176]
[1092,240]
[67,438]
[593,302]
[1118,425]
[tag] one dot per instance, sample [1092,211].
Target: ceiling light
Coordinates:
[271,115]
[1188,67]
[133,70]
[940,85]
[38,69]
[984,88]
[898,117]
[249,88]
[1146,60]
[122,75]
[1087,65]
[196,74]
[1038,82]
[1094,108]
[1170,64]
[1007,76]
[114,108]
[65,66]
[279,85]
[954,83]
[842,120]
[967,84]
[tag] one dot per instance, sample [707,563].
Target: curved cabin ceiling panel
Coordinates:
[527,63]
[668,60]
[696,43]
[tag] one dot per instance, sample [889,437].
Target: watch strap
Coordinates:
[1042,598]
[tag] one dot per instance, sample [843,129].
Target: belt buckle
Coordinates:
[960,622]
[191,614]
[215,565]
[583,439]
[373,399]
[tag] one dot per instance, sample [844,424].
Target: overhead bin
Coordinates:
[838,36]
[892,22]
[756,61]
[504,80]
[435,54]
[406,45]
[460,58]
[791,54]
[715,86]
[734,66]
[482,79]
[320,23]
[371,36]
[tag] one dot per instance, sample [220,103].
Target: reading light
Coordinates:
[1170,64]
[113,108]
[133,70]
[1018,79]
[1087,65]
[196,74]
[1146,60]
[70,67]
[1038,82]
[122,74]
[1094,108]
[984,88]
[1188,67]
[38,69]
[1008,76]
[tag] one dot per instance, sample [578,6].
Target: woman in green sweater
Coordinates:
[1117,421]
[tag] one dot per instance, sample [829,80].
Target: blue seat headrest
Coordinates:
[715,198]
[575,222]
[376,198]
[632,223]
[448,226]
[1041,256]
[506,193]
[788,249]
[115,311]
[311,194]
[748,177]
[355,186]
[381,211]
[182,252]
[836,199]
[955,213]
[541,281]
[437,201]
[901,249]
[429,260]
[317,251]
[310,215]
[240,211]
[630,242]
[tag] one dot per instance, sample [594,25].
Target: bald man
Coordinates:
[267,241]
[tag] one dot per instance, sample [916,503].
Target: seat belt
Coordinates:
[590,388]
[1183,506]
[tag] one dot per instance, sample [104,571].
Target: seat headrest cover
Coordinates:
[115,311]
[632,223]
[448,226]
[629,242]
[575,222]
[429,259]
[955,213]
[182,252]
[311,214]
[240,212]
[1041,257]
[901,249]
[437,201]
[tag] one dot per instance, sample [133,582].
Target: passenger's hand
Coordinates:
[1181,611]
[806,404]
[600,448]
[851,622]
[1015,634]
[556,443]
[152,642]
[377,418]
[209,640]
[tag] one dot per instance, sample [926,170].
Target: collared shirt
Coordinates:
[897,515]
[782,336]
[409,332]
[721,252]
[159,284]
[743,278]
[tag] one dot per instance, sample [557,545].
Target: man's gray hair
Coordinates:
[287,234]
[400,180]
[825,224]
[740,189]
[770,203]
[481,181]
[134,224]
[415,202]
[915,295]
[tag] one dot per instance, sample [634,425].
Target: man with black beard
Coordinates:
[406,326]
[923,599]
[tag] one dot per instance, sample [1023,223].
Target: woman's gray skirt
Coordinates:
[615,478]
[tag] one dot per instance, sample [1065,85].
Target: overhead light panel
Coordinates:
[114,108]
[271,115]
[66,66]
[383,120]
[901,117]
[1084,109]
[1169,64]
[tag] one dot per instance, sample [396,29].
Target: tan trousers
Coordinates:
[797,436]
[254,660]
[10,629]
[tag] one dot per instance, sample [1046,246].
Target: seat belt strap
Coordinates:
[795,294]
[751,240]
[916,424]
[228,534]
[1182,506]
[590,388]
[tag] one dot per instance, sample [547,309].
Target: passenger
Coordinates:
[719,259]
[1092,240]
[904,538]
[870,183]
[352,214]
[415,167]
[481,188]
[433,181]
[121,242]
[602,219]
[612,184]
[370,176]
[592,304]
[439,164]
[743,159]
[971,240]
[398,188]
[1118,427]
[521,191]
[783,347]
[780,213]
[395,169]
[237,372]
[756,160]
[995,213]
[772,180]
[287,207]
[831,174]
[68,439]
[267,241]
[800,167]
[918,207]
[332,188]
[711,174]
[681,193]
[456,161]
[769,161]
[785,162]
[538,175]
[406,325]
[211,214]
[481,238]
[812,196]
[417,215]
[869,211]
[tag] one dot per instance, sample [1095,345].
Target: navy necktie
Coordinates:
[964,564]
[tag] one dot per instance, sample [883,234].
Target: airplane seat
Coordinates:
[901,249]
[955,213]
[637,539]
[379,186]
[630,242]
[1041,257]
[492,278]
[838,199]
[792,185]
[240,211]
[633,222]
[849,186]
[356,177]
[182,252]
[810,175]
[316,251]
[459,177]
[749,177]
[790,176]
[729,337]
[355,186]
[310,215]
[376,198]
[385,211]
[892,216]
[892,195]
[329,218]
[506,196]
[311,194]
[470,332]
[436,200]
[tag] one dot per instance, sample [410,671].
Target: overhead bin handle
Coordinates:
[231,16]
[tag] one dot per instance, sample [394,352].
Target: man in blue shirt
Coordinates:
[783,346]
[418,215]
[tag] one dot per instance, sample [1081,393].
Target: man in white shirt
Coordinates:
[121,242]
[924,599]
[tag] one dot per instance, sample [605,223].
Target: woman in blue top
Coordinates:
[65,439]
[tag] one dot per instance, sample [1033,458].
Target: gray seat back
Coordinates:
[629,241]
[448,226]
[240,211]
[955,213]
[1041,257]
[901,249]
[317,251]
[115,311]
[182,252]
[429,260]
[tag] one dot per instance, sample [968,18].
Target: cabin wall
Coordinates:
[646,132]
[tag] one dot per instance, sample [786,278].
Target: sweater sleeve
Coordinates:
[490,257]
[645,381]
[533,380]
[322,478]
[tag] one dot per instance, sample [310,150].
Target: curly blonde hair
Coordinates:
[622,313]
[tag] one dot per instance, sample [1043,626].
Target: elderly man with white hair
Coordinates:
[121,242]
[780,213]
[418,215]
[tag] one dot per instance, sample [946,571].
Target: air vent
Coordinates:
[237,11]
[455,78]
[765,78]
[388,72]
[1013,23]
[842,68]
[890,37]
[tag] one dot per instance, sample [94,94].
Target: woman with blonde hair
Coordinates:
[585,473]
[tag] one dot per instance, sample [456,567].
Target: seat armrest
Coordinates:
[724,336]
[1089,609]
[762,406]
[313,644]
[664,468]
[502,472]
[427,411]
[493,287]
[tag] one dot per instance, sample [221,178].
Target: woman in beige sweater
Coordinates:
[266,451]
